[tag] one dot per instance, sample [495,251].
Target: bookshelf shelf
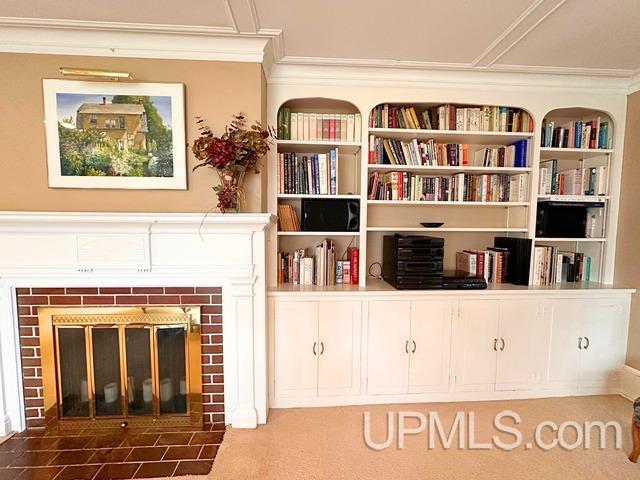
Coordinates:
[572,153]
[446,169]
[318,234]
[399,203]
[317,146]
[448,229]
[575,198]
[576,240]
[293,196]
[452,136]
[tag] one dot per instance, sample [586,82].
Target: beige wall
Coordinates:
[214,90]
[627,258]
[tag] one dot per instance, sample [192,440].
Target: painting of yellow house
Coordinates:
[125,123]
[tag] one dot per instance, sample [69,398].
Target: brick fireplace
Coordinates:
[209,299]
[214,262]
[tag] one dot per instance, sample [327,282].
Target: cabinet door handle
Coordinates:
[495,344]
[315,346]
[415,347]
[321,348]
[503,345]
[588,342]
[579,343]
[406,346]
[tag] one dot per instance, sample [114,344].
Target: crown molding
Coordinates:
[634,84]
[445,75]
[186,42]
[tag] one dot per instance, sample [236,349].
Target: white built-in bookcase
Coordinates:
[348,175]
[578,158]
[466,225]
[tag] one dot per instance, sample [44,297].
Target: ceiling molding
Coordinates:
[634,84]
[186,42]
[460,67]
[232,18]
[480,78]
[517,31]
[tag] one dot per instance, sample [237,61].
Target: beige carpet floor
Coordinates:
[328,443]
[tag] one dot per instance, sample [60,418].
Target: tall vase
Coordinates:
[230,189]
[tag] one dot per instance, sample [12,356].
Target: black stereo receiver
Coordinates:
[413,262]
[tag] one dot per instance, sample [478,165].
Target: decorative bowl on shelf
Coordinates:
[431,224]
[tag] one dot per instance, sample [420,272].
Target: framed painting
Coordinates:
[115,135]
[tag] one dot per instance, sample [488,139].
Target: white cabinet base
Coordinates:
[469,348]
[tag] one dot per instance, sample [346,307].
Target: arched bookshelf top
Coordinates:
[577,128]
[451,117]
[321,105]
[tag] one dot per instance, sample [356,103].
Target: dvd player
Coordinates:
[459,281]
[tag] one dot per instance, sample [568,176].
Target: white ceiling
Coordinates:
[560,36]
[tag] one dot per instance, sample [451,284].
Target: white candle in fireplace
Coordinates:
[111,392]
[166,390]
[147,390]
[84,390]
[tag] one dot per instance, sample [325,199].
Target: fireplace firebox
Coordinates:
[114,366]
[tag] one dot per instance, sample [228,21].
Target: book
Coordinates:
[304,174]
[354,263]
[401,185]
[293,127]
[288,219]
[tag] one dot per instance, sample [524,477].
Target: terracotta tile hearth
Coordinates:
[109,454]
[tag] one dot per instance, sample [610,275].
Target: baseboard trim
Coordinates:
[630,382]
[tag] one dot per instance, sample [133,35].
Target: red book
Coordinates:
[332,128]
[354,259]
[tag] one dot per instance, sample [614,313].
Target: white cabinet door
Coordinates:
[523,346]
[564,346]
[388,346]
[602,356]
[476,335]
[430,346]
[295,337]
[339,351]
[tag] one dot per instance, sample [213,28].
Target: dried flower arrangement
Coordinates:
[232,154]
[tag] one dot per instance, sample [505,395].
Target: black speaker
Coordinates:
[330,215]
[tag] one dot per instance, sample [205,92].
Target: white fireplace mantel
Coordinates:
[138,249]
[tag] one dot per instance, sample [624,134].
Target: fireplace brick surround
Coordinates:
[208,298]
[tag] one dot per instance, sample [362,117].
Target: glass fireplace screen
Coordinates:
[126,365]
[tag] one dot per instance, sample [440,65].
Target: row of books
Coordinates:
[323,268]
[452,117]
[574,181]
[580,134]
[552,266]
[288,219]
[418,152]
[315,173]
[319,126]
[490,264]
[456,188]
